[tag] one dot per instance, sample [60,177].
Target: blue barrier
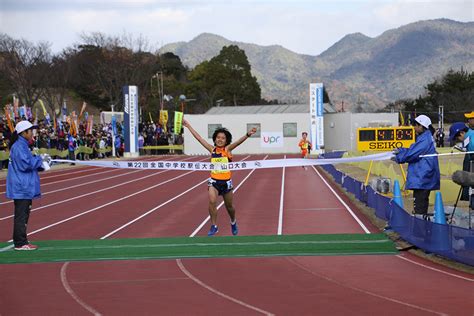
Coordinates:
[453,242]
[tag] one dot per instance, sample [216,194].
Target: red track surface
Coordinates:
[339,285]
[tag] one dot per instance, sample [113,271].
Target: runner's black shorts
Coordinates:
[222,186]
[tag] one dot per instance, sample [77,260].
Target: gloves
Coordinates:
[46,161]
[460,148]
[46,158]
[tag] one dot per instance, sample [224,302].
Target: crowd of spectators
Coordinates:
[99,139]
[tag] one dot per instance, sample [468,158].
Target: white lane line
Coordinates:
[282,194]
[222,203]
[6,248]
[436,270]
[217,292]
[59,173]
[65,180]
[343,203]
[106,204]
[72,179]
[204,285]
[87,194]
[79,185]
[401,257]
[69,290]
[361,290]
[153,209]
[157,207]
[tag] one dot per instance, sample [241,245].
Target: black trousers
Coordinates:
[421,202]
[22,214]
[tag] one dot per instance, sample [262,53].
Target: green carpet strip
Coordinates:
[200,247]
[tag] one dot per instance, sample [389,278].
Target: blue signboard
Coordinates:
[316,112]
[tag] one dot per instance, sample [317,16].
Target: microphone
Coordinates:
[463,178]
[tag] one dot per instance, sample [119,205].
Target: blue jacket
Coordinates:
[423,173]
[22,178]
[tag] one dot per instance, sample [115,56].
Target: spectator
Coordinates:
[469,145]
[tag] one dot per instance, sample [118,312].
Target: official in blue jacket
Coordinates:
[23,184]
[423,173]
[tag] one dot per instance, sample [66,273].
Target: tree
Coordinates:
[25,65]
[226,76]
[103,65]
[454,91]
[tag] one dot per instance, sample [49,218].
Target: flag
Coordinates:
[15,106]
[42,106]
[178,122]
[114,125]
[90,122]
[9,121]
[64,110]
[163,119]
[84,105]
[402,119]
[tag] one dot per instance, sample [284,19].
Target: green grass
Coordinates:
[200,247]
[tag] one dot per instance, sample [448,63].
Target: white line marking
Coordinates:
[128,281]
[152,210]
[107,204]
[6,248]
[209,288]
[58,173]
[282,193]
[213,290]
[361,290]
[65,180]
[64,281]
[228,244]
[71,292]
[79,185]
[437,270]
[360,223]
[343,203]
[87,194]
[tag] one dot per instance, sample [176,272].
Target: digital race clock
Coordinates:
[384,138]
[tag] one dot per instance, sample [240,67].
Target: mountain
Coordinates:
[357,69]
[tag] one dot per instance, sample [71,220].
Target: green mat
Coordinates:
[200,247]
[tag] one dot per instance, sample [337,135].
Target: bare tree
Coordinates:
[109,63]
[26,65]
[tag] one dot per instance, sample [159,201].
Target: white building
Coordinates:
[284,122]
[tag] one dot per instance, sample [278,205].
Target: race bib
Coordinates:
[220,161]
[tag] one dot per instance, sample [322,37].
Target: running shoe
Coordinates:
[214,230]
[27,247]
[235,228]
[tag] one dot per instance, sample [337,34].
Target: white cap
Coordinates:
[423,120]
[22,126]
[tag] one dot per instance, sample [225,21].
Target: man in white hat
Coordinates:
[23,184]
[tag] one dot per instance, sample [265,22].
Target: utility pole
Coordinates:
[441,116]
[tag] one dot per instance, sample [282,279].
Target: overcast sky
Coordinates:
[303,26]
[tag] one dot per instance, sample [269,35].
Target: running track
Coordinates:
[92,203]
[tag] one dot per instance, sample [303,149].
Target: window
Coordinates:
[211,128]
[290,130]
[257,126]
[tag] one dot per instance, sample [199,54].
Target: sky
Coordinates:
[303,26]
